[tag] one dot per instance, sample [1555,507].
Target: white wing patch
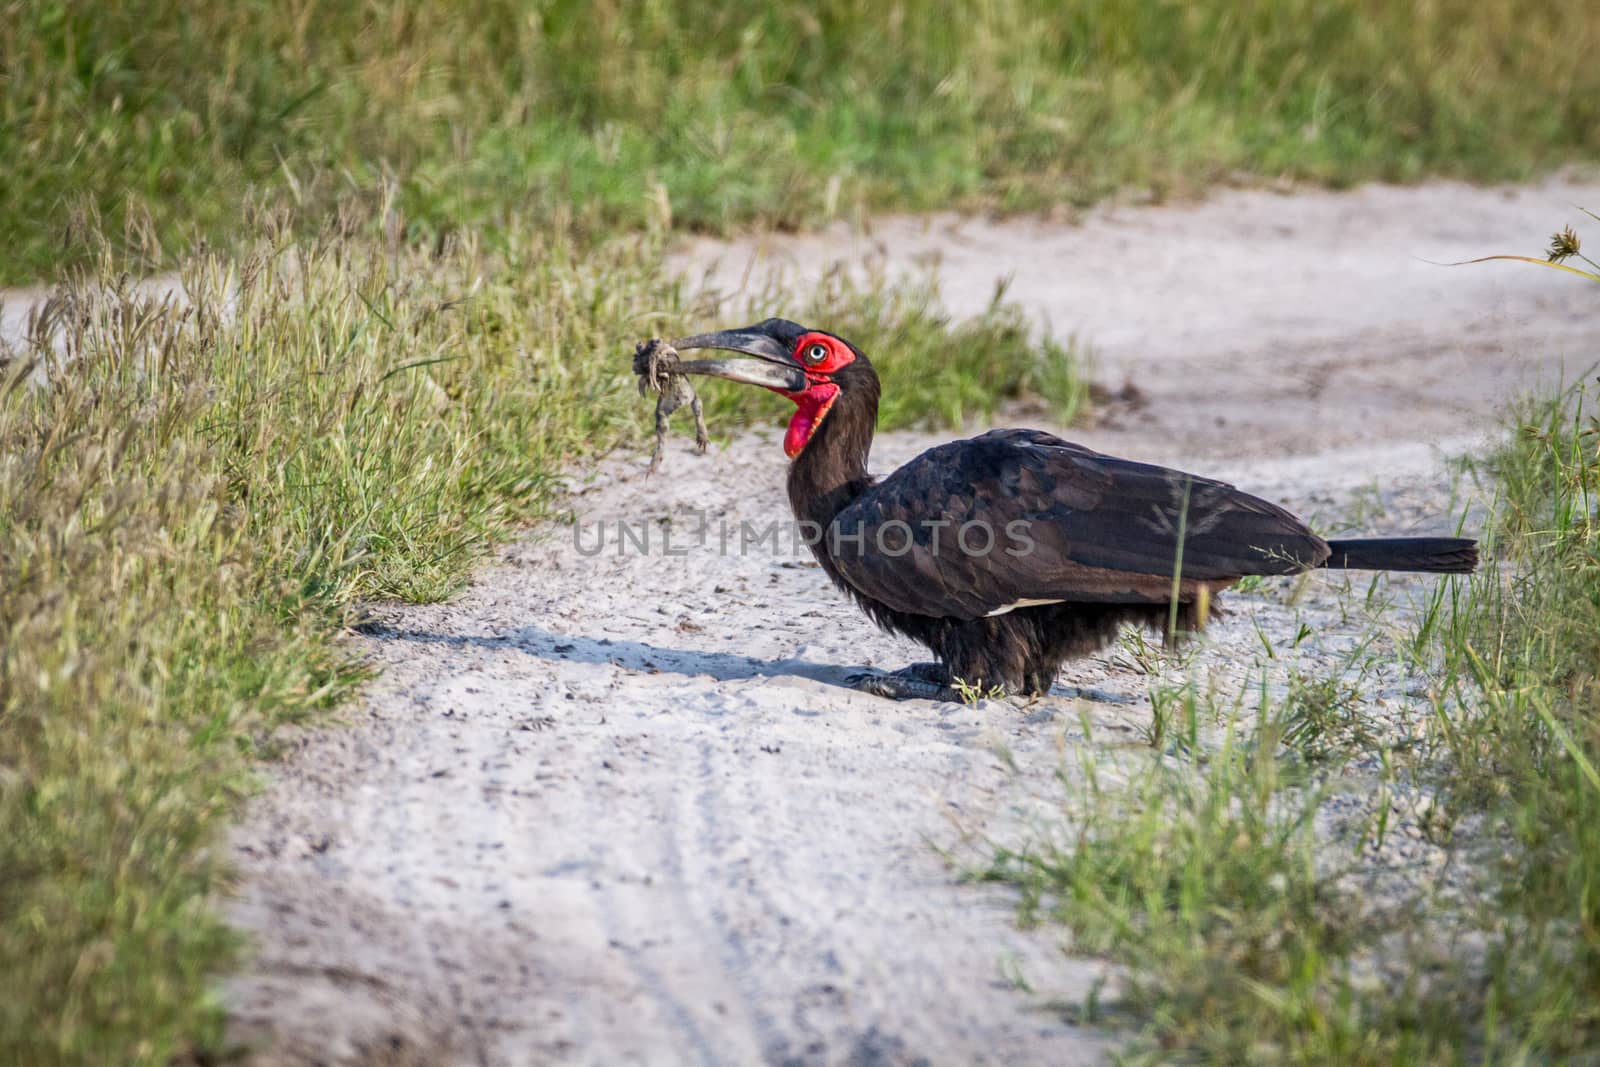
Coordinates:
[1015,604]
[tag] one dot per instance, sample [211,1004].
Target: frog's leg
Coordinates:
[702,438]
[664,409]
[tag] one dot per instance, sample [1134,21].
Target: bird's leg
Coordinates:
[920,681]
[1038,682]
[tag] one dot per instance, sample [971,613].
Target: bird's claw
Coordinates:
[926,671]
[865,681]
[920,681]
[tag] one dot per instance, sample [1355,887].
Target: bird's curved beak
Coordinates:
[771,369]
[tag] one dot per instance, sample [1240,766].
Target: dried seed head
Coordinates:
[1563,245]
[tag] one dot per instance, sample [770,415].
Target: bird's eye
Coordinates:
[816,353]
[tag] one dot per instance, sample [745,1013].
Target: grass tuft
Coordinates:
[1519,694]
[1203,877]
[162,116]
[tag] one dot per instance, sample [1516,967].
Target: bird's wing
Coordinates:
[977,527]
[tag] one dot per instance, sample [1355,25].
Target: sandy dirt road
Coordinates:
[618,808]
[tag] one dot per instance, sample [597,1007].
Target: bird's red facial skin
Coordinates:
[810,408]
[820,355]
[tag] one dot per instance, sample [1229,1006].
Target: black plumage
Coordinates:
[1011,552]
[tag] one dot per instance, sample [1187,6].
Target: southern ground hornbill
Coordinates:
[1009,553]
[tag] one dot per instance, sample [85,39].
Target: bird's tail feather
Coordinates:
[1430,555]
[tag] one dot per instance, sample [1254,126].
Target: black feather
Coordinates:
[1426,555]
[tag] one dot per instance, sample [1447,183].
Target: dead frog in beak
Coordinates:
[656,363]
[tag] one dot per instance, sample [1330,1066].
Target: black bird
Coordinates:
[1011,552]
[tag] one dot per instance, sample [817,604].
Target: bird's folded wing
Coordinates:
[1016,516]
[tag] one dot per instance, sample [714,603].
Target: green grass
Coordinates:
[162,116]
[1244,933]
[191,504]
[440,225]
[1520,694]
[1239,936]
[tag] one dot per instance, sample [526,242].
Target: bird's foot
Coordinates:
[926,671]
[920,681]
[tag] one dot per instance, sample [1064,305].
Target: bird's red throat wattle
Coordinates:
[811,407]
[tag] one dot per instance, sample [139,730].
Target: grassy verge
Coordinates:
[192,496]
[162,114]
[1520,687]
[1247,925]
[1202,871]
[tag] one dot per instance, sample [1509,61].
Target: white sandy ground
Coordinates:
[618,808]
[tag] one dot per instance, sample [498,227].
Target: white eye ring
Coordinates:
[816,353]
